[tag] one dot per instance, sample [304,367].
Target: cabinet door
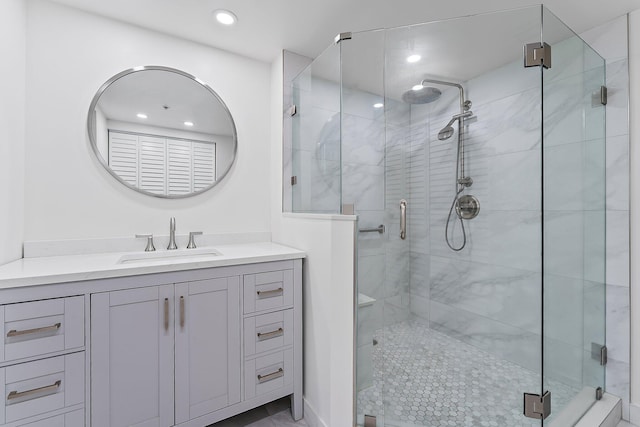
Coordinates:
[132,358]
[207,346]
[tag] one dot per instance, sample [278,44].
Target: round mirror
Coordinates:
[162,132]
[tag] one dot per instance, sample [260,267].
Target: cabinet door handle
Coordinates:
[166,314]
[46,389]
[271,293]
[52,328]
[268,335]
[182,312]
[272,376]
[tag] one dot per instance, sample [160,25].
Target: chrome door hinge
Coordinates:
[604,95]
[599,352]
[342,36]
[369,421]
[294,180]
[293,110]
[599,393]
[537,407]
[537,54]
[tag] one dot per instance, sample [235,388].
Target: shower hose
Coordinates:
[446,229]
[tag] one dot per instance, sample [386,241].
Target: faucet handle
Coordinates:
[149,237]
[192,241]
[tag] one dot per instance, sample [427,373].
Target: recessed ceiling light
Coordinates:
[188,123]
[378,105]
[417,87]
[141,115]
[225,17]
[413,58]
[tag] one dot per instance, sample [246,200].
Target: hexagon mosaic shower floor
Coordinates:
[433,380]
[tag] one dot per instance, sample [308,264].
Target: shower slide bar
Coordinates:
[379,229]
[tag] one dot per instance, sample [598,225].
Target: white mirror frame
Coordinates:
[91,126]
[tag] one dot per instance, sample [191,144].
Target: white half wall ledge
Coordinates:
[323,217]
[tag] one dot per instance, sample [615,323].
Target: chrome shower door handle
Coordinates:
[403,219]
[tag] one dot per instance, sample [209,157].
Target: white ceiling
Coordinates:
[168,99]
[307,27]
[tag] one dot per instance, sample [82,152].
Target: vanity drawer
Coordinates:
[267,291]
[42,386]
[267,332]
[41,327]
[267,373]
[70,419]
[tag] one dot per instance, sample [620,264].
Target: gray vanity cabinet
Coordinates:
[139,336]
[207,346]
[190,353]
[132,357]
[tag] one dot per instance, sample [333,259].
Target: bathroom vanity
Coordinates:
[120,339]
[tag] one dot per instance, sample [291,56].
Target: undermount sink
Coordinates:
[167,256]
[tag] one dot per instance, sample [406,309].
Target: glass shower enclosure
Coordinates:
[473,153]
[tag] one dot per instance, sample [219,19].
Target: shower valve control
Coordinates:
[467,207]
[466,181]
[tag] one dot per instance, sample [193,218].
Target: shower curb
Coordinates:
[606,412]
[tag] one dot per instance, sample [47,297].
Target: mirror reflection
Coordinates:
[162,132]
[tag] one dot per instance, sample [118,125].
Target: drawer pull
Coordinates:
[270,294]
[272,376]
[268,335]
[52,328]
[46,389]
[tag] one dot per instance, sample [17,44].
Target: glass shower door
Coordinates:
[458,342]
[573,223]
[462,317]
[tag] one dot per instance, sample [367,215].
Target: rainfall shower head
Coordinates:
[423,95]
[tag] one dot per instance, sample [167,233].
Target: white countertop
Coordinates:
[73,268]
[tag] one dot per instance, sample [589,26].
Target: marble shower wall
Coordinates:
[488,294]
[315,142]
[373,181]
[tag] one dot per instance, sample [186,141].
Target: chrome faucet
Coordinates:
[172,234]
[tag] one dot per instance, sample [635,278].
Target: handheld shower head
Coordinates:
[448,130]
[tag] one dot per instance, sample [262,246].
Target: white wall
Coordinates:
[68,194]
[12,132]
[328,287]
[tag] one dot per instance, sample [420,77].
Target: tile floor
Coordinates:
[274,414]
[431,379]
[463,375]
